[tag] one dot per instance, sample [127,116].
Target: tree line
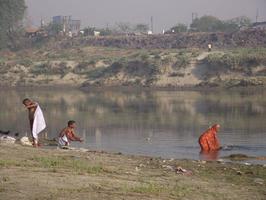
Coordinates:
[205,23]
[209,23]
[12,13]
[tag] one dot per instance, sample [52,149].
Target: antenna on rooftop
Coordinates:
[152,24]
[42,22]
[194,16]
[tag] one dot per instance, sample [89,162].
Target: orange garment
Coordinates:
[208,140]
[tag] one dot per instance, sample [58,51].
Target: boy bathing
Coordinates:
[36,118]
[68,134]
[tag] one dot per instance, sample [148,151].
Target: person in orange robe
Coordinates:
[208,140]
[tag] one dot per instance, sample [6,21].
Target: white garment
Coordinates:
[7,139]
[25,141]
[38,122]
[63,141]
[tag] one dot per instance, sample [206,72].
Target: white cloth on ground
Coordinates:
[25,141]
[7,139]
[38,123]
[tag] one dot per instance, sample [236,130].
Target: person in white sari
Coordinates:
[36,118]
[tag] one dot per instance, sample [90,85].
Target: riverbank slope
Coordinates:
[28,173]
[90,66]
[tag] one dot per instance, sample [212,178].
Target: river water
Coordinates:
[154,123]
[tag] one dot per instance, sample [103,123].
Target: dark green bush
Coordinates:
[26,62]
[47,69]
[182,61]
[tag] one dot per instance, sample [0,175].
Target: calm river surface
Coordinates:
[156,123]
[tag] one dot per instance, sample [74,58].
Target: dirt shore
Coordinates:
[28,173]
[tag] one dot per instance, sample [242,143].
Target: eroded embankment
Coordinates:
[115,67]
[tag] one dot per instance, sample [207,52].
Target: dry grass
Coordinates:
[27,173]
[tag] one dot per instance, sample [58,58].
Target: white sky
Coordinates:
[166,13]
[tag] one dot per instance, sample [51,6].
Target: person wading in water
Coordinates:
[208,141]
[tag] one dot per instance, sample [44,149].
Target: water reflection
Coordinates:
[212,155]
[161,123]
[98,138]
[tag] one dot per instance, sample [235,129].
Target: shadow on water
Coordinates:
[157,123]
[209,156]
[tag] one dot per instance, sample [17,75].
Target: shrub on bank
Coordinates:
[26,62]
[48,69]
[240,59]
[181,62]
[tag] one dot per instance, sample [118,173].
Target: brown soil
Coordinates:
[27,173]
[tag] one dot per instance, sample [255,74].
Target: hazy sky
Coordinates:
[166,13]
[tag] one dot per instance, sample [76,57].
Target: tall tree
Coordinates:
[213,24]
[241,21]
[207,24]
[124,27]
[89,31]
[179,28]
[11,14]
[54,28]
[142,28]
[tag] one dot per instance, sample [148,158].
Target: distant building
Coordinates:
[96,33]
[31,32]
[259,25]
[169,32]
[75,26]
[68,24]
[149,32]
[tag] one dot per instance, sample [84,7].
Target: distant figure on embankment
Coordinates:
[209,47]
[36,118]
[208,140]
[68,134]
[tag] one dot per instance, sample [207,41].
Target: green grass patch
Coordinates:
[26,62]
[48,69]
[147,188]
[181,191]
[237,59]
[158,189]
[54,164]
[8,163]
[96,73]
[182,61]
[79,166]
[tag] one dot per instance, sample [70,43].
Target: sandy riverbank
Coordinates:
[99,67]
[27,173]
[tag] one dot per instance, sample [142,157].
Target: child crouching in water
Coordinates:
[68,134]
